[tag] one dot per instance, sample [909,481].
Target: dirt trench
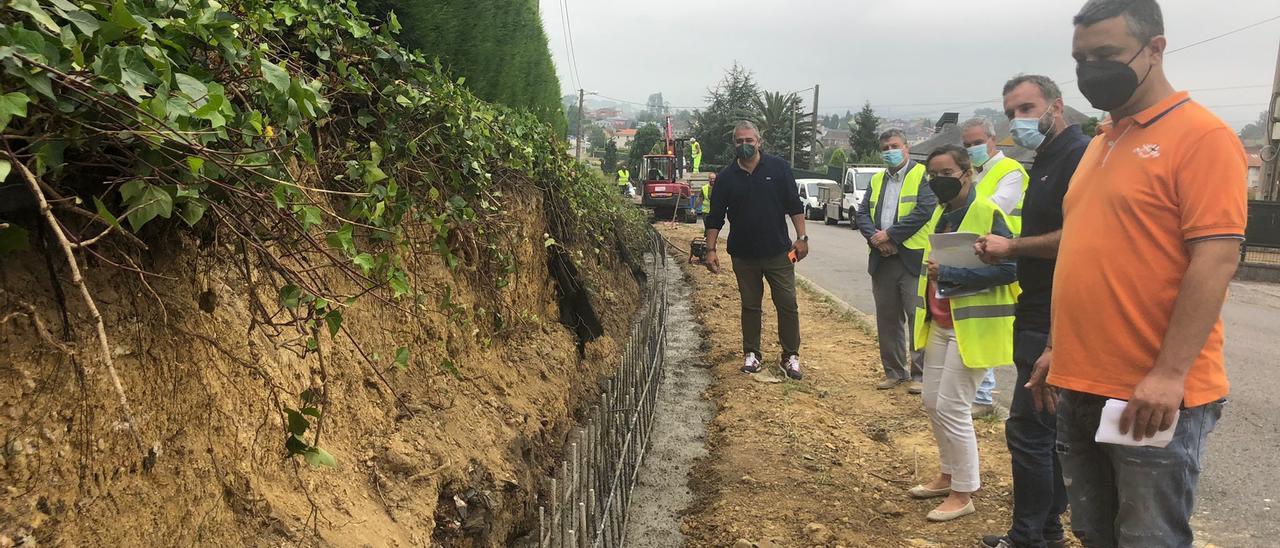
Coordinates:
[679,436]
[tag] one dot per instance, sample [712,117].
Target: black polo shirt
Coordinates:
[1041,214]
[757,205]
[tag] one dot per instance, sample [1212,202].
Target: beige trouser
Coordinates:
[949,388]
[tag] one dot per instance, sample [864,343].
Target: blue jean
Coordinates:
[1130,496]
[984,390]
[1039,497]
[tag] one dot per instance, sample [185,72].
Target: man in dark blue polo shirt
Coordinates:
[1034,104]
[758,192]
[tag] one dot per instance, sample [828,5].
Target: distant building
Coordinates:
[835,138]
[623,137]
[1255,176]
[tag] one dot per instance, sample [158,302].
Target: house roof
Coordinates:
[626,133]
[1254,160]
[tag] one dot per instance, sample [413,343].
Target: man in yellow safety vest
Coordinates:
[624,180]
[895,218]
[1004,181]
[695,150]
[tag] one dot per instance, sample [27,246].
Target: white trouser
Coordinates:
[949,388]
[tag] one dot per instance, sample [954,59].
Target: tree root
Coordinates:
[78,280]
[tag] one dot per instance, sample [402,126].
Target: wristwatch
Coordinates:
[802,238]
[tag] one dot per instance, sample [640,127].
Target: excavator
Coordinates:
[666,190]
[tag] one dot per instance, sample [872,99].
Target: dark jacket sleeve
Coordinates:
[862,221]
[719,203]
[790,192]
[926,203]
[987,276]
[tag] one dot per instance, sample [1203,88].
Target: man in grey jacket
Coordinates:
[894,217]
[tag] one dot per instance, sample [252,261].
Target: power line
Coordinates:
[568,49]
[1247,27]
[573,55]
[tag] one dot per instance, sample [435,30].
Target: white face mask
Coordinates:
[1030,133]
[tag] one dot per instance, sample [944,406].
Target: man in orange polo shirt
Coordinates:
[1153,221]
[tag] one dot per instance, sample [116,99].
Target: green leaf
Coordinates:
[5,167]
[312,343]
[342,239]
[13,238]
[311,412]
[193,210]
[12,104]
[36,12]
[310,216]
[195,164]
[194,89]
[121,16]
[319,457]
[334,320]
[290,296]
[375,150]
[309,396]
[399,284]
[372,174]
[402,357]
[307,147]
[276,76]
[145,202]
[364,261]
[393,22]
[87,24]
[295,445]
[298,424]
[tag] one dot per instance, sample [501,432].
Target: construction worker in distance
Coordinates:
[704,202]
[1003,181]
[624,180]
[695,149]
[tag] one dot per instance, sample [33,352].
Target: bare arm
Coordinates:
[1158,397]
[1044,246]
[802,248]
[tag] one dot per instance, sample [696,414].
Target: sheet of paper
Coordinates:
[1109,428]
[954,249]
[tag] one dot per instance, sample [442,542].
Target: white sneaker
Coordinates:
[752,363]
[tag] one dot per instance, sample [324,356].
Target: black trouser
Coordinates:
[1039,496]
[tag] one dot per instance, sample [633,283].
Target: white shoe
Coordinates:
[752,363]
[938,515]
[922,492]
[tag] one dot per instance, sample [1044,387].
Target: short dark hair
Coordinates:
[1048,89]
[956,152]
[1142,17]
[889,134]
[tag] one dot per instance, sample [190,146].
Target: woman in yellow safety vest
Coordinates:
[964,323]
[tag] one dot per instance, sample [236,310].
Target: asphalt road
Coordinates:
[1239,500]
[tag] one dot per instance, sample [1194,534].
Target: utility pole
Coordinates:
[1270,181]
[813,151]
[581,97]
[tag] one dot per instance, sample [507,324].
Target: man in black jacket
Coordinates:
[1034,105]
[758,192]
[894,216]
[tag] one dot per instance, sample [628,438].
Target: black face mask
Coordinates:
[1107,84]
[945,188]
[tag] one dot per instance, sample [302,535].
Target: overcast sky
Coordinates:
[910,59]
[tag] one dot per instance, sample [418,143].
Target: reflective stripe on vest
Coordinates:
[907,198]
[990,183]
[983,322]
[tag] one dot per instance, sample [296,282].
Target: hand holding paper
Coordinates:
[1109,428]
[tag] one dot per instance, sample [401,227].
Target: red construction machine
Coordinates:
[666,191]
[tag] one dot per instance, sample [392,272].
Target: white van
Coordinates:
[809,193]
[857,182]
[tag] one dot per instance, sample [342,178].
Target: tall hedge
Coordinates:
[497,46]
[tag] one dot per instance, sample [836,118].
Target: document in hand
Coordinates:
[1109,428]
[954,249]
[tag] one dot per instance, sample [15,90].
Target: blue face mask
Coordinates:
[892,157]
[1026,133]
[979,154]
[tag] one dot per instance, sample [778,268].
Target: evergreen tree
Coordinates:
[609,164]
[864,139]
[729,102]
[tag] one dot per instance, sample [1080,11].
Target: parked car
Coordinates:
[857,181]
[809,193]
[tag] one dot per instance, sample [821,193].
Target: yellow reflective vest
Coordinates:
[623,176]
[984,321]
[991,182]
[906,202]
[706,199]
